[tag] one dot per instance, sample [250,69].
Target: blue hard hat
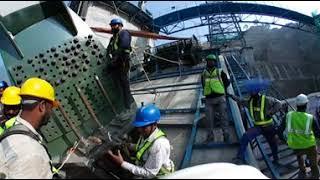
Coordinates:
[3,84]
[116,21]
[256,85]
[146,115]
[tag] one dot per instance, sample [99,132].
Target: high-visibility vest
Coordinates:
[299,128]
[213,83]
[115,42]
[142,149]
[10,123]
[7,125]
[257,113]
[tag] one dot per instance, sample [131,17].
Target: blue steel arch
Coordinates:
[230,8]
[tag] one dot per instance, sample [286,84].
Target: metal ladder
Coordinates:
[288,163]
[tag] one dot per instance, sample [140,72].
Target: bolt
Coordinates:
[19,67]
[99,62]
[68,63]
[53,62]
[74,73]
[90,36]
[65,71]
[78,46]
[88,42]
[87,61]
[77,65]
[44,60]
[19,81]
[41,69]
[85,68]
[63,79]
[95,46]
[76,52]
[100,55]
[93,52]
[30,61]
[73,47]
[73,60]
[53,49]
[65,58]
[67,50]
[76,40]
[41,55]
[56,55]
[84,55]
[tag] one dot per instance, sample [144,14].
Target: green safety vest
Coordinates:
[299,128]
[257,113]
[8,124]
[114,44]
[140,151]
[213,83]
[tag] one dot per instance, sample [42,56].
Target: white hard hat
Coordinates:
[301,99]
[217,171]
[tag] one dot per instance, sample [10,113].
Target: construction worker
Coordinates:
[3,86]
[22,152]
[214,82]
[153,148]
[261,108]
[301,130]
[11,101]
[119,49]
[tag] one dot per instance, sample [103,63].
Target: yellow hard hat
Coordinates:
[11,96]
[40,88]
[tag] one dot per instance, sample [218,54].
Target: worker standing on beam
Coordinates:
[214,82]
[301,130]
[119,50]
[153,148]
[261,108]
[3,86]
[11,101]
[22,152]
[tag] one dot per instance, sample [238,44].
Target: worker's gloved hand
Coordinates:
[117,159]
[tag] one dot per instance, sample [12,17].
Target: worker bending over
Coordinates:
[3,86]
[153,148]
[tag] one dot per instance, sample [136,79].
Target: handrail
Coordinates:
[187,156]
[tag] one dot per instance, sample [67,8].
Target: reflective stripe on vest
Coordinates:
[300,134]
[261,120]
[145,147]
[213,83]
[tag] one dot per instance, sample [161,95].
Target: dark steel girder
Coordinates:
[229,8]
[300,27]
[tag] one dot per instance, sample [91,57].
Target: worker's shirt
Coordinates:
[23,157]
[157,156]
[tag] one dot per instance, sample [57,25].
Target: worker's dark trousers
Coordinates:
[121,79]
[312,156]
[268,132]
